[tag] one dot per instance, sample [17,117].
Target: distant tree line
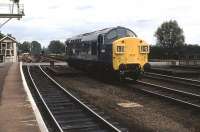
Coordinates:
[170,43]
[56,47]
[34,47]
[188,51]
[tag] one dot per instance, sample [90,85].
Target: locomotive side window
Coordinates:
[94,48]
[100,39]
[73,51]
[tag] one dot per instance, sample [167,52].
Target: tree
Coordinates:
[56,47]
[1,35]
[35,48]
[170,35]
[24,47]
[44,50]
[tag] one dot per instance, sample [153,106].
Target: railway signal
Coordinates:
[10,11]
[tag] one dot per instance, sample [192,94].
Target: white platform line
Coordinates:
[37,113]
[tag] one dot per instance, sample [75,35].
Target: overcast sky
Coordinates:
[47,20]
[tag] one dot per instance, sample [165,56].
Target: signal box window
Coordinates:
[9,45]
[3,45]
[3,52]
[12,52]
[7,52]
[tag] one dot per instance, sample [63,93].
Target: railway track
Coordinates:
[183,97]
[192,67]
[179,80]
[65,112]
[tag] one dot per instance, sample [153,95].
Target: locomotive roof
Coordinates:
[92,36]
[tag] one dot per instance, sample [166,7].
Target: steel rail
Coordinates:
[165,96]
[44,103]
[170,89]
[82,104]
[177,78]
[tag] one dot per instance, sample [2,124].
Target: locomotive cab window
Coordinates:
[130,33]
[112,34]
[144,49]
[121,33]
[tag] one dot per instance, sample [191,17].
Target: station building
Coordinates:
[8,48]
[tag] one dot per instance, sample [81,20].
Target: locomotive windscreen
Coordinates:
[120,33]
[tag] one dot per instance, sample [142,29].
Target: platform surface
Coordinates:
[16,114]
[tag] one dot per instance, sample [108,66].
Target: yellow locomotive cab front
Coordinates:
[130,55]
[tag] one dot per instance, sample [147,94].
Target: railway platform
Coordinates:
[16,114]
